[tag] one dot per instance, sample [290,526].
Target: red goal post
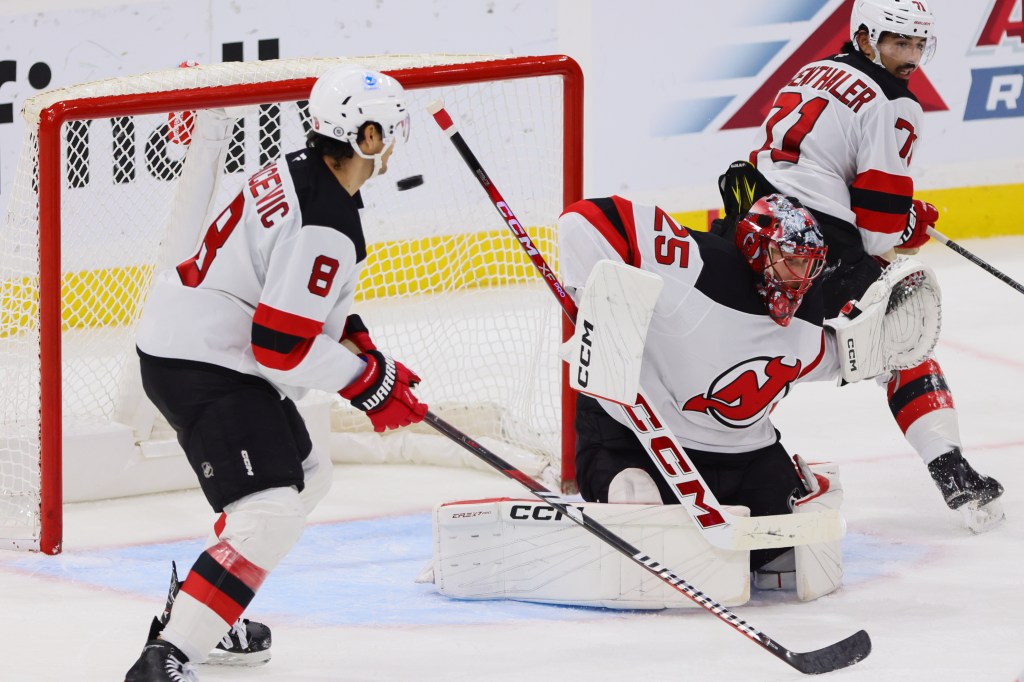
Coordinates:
[41,308]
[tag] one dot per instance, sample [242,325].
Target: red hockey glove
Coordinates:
[922,216]
[384,392]
[357,334]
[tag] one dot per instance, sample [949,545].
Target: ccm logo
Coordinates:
[583,376]
[851,353]
[536,512]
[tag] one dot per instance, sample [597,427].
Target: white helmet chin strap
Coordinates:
[378,160]
[877,59]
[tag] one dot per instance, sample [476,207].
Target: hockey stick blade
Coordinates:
[717,525]
[839,655]
[836,656]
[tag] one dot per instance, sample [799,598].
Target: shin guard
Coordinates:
[921,403]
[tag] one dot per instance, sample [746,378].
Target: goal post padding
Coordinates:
[445,288]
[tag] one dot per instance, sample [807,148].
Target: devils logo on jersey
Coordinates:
[744,393]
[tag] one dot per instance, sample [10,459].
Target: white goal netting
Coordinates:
[446,289]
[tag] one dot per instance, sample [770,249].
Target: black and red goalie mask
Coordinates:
[782,242]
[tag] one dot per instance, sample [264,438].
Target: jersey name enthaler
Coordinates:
[830,78]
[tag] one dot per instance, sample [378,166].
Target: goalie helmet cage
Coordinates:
[84,235]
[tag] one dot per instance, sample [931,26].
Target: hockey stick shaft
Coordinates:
[998,274]
[716,524]
[833,657]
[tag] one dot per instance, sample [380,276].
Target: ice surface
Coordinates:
[941,604]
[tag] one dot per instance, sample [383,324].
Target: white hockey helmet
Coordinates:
[346,97]
[904,17]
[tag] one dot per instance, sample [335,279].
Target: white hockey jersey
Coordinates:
[840,137]
[715,363]
[271,284]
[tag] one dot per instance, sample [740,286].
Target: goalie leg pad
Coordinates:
[529,551]
[633,486]
[819,567]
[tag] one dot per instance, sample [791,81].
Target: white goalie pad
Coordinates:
[894,325]
[819,566]
[527,550]
[605,351]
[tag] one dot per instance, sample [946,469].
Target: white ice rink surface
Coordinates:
[940,604]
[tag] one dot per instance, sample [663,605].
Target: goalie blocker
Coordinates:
[527,550]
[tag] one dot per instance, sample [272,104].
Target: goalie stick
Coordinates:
[998,274]
[832,657]
[717,525]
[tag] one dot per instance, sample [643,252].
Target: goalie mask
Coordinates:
[782,242]
[903,17]
[347,97]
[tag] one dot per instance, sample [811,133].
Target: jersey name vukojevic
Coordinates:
[270,285]
[840,137]
[714,363]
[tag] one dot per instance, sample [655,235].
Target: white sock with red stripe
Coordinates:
[921,403]
[255,533]
[934,434]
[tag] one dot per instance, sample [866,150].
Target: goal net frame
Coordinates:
[53,116]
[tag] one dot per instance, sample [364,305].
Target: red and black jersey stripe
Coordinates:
[918,391]
[281,340]
[224,581]
[881,201]
[613,217]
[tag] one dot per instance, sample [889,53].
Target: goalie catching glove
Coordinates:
[384,390]
[894,325]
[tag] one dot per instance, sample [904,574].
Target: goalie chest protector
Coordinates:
[715,363]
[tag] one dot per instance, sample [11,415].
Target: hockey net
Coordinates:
[95,211]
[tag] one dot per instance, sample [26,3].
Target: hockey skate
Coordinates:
[974,495]
[247,643]
[161,662]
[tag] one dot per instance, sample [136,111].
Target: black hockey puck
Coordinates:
[409,182]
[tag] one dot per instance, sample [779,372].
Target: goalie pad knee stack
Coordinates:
[529,551]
